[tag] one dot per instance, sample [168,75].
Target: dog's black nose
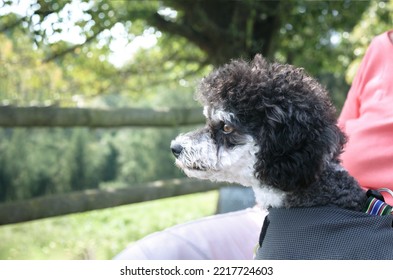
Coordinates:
[176,149]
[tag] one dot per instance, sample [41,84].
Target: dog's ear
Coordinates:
[294,146]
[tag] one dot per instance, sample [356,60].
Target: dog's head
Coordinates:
[268,125]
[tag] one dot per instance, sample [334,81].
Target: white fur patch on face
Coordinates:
[204,158]
[198,153]
[201,158]
[217,114]
[235,165]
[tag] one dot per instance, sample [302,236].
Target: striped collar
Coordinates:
[375,204]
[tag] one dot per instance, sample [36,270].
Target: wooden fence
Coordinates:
[87,117]
[55,205]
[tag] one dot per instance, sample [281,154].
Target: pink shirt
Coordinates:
[367,119]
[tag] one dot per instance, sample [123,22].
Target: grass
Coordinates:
[100,234]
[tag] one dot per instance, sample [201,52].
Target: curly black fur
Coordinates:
[290,116]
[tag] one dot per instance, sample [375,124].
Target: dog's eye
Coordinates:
[227,129]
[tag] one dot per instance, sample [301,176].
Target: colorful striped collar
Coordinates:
[375,204]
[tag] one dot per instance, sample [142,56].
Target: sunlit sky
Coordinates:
[122,49]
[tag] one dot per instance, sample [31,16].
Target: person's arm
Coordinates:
[351,106]
[352,103]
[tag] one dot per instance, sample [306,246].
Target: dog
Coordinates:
[272,127]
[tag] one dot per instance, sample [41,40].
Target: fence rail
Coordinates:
[89,117]
[62,204]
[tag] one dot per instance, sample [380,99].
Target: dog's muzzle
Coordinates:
[176,149]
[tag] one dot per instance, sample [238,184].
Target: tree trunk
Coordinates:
[225,29]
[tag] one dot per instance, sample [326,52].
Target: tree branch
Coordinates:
[181,30]
[71,49]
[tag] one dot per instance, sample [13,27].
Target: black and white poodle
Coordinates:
[272,127]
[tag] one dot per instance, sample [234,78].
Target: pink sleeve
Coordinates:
[351,106]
